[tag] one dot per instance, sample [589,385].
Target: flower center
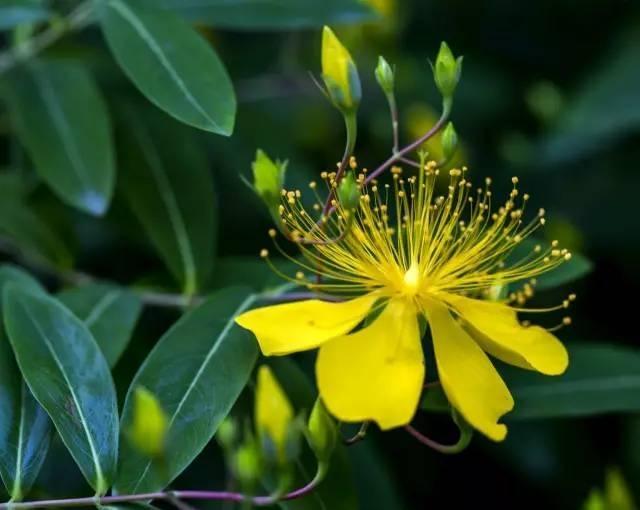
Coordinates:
[411,281]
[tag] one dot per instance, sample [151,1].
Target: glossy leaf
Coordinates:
[18,12]
[197,371]
[110,312]
[62,120]
[66,372]
[25,428]
[31,236]
[171,64]
[271,14]
[600,379]
[170,189]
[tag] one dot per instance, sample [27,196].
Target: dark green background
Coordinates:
[550,92]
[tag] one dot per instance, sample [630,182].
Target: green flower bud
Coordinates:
[449,141]
[227,433]
[268,179]
[247,464]
[447,71]
[321,432]
[349,192]
[384,75]
[339,73]
[148,429]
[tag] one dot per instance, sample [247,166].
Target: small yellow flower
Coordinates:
[339,72]
[273,412]
[409,252]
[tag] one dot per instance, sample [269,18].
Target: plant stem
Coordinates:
[351,127]
[76,20]
[393,110]
[170,496]
[411,147]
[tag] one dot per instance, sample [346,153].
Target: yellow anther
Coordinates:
[264,253]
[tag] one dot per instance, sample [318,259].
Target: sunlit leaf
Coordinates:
[25,428]
[196,371]
[68,375]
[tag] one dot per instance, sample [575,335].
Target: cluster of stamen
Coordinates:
[418,236]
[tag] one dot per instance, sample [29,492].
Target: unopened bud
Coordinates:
[447,71]
[339,73]
[449,141]
[227,433]
[321,432]
[148,429]
[384,75]
[247,464]
[349,192]
[268,178]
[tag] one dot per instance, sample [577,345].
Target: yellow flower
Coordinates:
[408,253]
[273,412]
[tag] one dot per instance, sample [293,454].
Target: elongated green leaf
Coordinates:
[66,372]
[110,312]
[197,371]
[171,64]
[25,428]
[600,379]
[63,122]
[170,189]
[271,14]
[31,236]
[18,12]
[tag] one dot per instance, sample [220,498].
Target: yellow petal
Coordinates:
[502,336]
[376,373]
[273,412]
[292,327]
[468,378]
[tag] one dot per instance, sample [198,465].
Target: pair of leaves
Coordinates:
[65,369]
[197,370]
[600,379]
[62,120]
